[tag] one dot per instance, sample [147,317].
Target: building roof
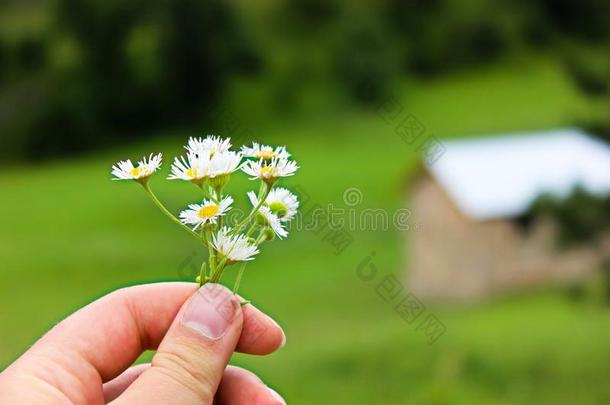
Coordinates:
[500,176]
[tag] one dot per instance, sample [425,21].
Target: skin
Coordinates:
[88,357]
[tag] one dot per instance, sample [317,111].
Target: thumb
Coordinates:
[191,359]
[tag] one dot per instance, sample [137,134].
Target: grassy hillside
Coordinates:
[69,234]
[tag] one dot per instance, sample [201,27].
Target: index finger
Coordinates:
[112,332]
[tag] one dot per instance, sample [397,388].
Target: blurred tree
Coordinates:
[121,68]
[582,217]
[101,28]
[580,31]
[31,54]
[3,61]
[338,39]
[441,35]
[298,49]
[589,68]
[410,19]
[308,16]
[585,19]
[190,46]
[364,57]
[202,43]
[68,124]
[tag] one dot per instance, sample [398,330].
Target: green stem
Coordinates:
[164,210]
[220,269]
[260,239]
[206,192]
[239,275]
[252,229]
[218,196]
[203,274]
[212,258]
[216,277]
[261,200]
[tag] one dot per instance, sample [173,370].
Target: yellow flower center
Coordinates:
[208,211]
[266,171]
[135,172]
[192,172]
[266,154]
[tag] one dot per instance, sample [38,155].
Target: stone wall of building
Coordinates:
[452,257]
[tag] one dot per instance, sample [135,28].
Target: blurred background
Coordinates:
[358,91]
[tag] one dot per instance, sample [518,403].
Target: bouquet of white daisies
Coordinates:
[209,164]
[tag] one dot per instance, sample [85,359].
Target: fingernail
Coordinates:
[210,311]
[276,396]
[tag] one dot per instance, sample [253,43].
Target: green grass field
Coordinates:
[69,235]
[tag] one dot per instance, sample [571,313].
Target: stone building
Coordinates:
[469,245]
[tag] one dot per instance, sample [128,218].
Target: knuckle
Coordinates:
[192,376]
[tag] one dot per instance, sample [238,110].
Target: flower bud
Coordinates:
[279,209]
[198,181]
[268,233]
[270,181]
[260,219]
[219,181]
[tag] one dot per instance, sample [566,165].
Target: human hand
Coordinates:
[86,358]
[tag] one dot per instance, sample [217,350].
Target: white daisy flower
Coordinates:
[234,248]
[280,201]
[269,217]
[194,168]
[269,172]
[207,212]
[212,144]
[265,152]
[224,163]
[125,170]
[206,158]
[283,203]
